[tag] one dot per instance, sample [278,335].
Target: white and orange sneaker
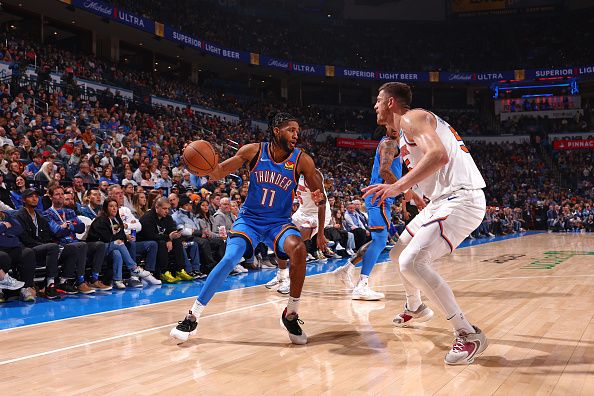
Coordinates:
[406,317]
[466,347]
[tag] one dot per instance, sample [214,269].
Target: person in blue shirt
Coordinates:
[32,168]
[275,168]
[64,224]
[92,209]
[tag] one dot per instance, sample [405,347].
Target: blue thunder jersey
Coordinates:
[396,167]
[272,188]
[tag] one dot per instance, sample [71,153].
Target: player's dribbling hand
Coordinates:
[380,192]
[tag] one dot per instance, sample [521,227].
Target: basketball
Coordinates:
[200,157]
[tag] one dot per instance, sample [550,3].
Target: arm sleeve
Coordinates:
[98,231]
[16,229]
[55,227]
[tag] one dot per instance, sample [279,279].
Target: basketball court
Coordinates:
[531,295]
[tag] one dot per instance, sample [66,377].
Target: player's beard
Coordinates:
[284,145]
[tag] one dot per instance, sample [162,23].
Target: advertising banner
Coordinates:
[117,14]
[317,70]
[573,144]
[403,76]
[110,12]
[274,63]
[357,143]
[560,72]
[225,52]
[476,77]
[354,73]
[181,38]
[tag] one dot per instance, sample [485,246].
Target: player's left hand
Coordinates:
[410,195]
[322,241]
[317,196]
[381,192]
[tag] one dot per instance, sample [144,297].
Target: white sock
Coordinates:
[363,280]
[460,323]
[283,273]
[413,301]
[349,262]
[292,305]
[197,309]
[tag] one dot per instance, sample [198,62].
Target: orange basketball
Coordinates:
[200,157]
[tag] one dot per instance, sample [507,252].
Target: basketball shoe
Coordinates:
[363,292]
[406,317]
[466,347]
[185,328]
[284,286]
[291,323]
[345,274]
[271,284]
[9,283]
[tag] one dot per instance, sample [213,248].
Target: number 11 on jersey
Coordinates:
[265,195]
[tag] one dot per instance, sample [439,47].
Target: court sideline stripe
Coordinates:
[26,357]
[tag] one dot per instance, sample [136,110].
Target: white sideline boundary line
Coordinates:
[225,291]
[99,341]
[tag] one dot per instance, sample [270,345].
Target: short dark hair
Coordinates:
[399,91]
[278,119]
[51,189]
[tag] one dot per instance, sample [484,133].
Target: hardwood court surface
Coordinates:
[535,308]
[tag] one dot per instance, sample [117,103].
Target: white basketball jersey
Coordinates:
[306,204]
[459,173]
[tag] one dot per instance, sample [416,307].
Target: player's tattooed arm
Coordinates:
[388,151]
[244,154]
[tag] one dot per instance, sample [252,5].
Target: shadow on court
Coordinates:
[352,343]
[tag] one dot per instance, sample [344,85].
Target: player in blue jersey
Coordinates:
[387,168]
[265,216]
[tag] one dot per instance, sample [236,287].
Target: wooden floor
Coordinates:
[535,309]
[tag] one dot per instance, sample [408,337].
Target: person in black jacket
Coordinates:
[108,227]
[14,256]
[38,236]
[5,193]
[158,225]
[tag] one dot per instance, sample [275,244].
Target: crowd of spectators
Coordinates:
[288,35]
[92,190]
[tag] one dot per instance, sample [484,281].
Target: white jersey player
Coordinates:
[441,166]
[306,218]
